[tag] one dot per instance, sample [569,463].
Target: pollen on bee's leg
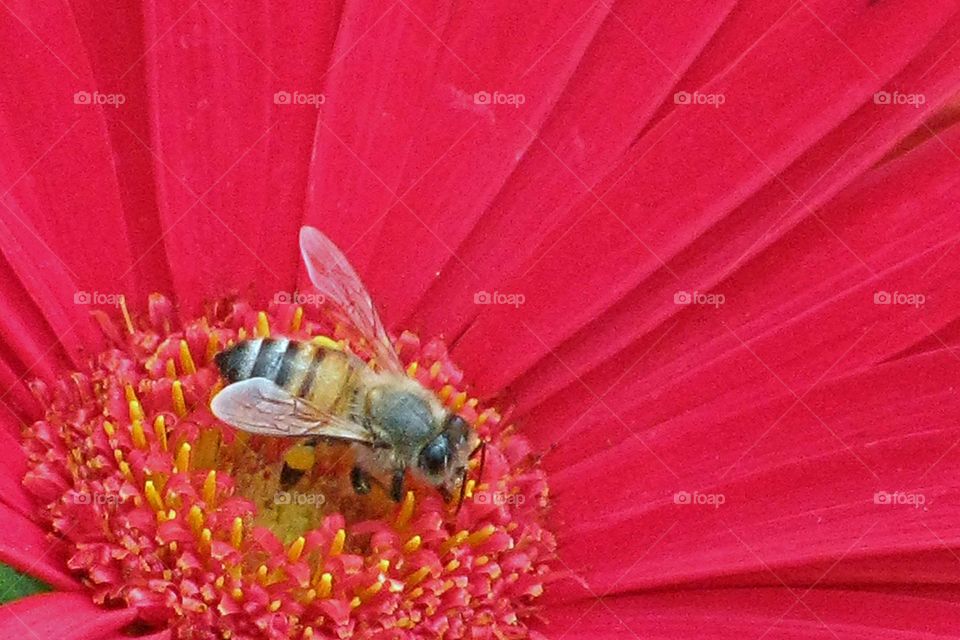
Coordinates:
[196,523]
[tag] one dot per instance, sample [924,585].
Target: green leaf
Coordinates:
[15,585]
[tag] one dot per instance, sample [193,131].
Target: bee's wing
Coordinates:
[259,406]
[348,299]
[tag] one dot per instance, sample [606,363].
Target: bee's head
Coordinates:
[443,458]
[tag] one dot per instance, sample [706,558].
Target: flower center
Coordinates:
[219,533]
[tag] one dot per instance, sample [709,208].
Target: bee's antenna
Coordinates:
[482,448]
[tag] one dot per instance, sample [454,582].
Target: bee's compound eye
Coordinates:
[434,456]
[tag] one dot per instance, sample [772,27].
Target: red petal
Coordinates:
[629,69]
[65,616]
[28,549]
[593,263]
[230,161]
[769,613]
[782,484]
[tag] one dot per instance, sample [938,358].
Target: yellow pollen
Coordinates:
[236,533]
[219,582]
[179,402]
[412,544]
[160,429]
[325,586]
[186,358]
[300,457]
[412,369]
[307,633]
[296,320]
[468,492]
[417,576]
[129,392]
[435,369]
[213,347]
[263,325]
[210,488]
[336,547]
[126,471]
[459,401]
[416,593]
[109,429]
[327,343]
[296,548]
[356,602]
[126,316]
[262,573]
[153,496]
[405,623]
[206,448]
[406,510]
[309,596]
[183,458]
[453,541]
[275,605]
[483,417]
[383,565]
[452,566]
[237,593]
[136,432]
[241,334]
[481,535]
[171,369]
[445,392]
[195,518]
[367,593]
[206,537]
[481,560]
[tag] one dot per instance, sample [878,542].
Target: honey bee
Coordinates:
[302,389]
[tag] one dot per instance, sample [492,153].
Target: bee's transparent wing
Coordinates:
[347,298]
[259,406]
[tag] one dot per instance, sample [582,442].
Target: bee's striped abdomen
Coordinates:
[289,363]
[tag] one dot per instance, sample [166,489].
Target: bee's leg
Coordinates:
[360,480]
[396,486]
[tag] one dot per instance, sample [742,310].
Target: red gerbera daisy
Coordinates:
[689,270]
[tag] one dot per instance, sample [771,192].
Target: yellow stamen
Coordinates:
[160,429]
[137,434]
[481,560]
[445,392]
[171,369]
[417,576]
[183,458]
[275,605]
[327,343]
[109,429]
[262,573]
[412,544]
[435,369]
[236,533]
[296,320]
[325,586]
[406,510]
[336,547]
[412,369]
[179,402]
[404,623]
[241,334]
[195,518]
[186,358]
[383,566]
[263,325]
[126,471]
[237,593]
[153,496]
[452,566]
[206,449]
[481,535]
[307,633]
[213,347]
[453,541]
[459,401]
[206,537]
[126,315]
[296,548]
[210,488]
